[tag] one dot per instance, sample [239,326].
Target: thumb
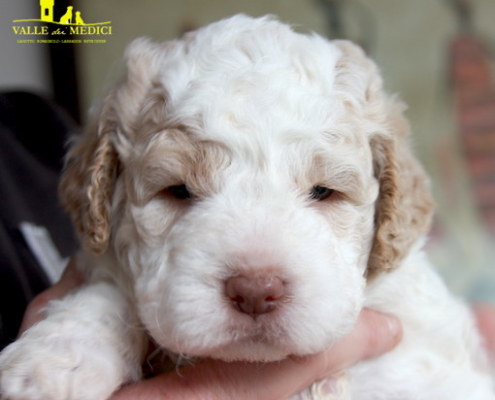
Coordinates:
[375,334]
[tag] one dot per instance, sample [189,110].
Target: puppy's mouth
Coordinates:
[255,338]
[258,339]
[258,332]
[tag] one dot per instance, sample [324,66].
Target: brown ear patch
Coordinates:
[87,185]
[404,206]
[384,250]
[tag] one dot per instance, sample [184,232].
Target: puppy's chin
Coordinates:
[246,349]
[253,352]
[250,351]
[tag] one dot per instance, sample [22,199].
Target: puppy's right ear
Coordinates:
[404,206]
[92,164]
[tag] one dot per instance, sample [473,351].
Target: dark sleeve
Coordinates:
[33,132]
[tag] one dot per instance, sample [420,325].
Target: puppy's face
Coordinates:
[247,244]
[246,199]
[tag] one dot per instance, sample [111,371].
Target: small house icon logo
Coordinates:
[47,10]
[70,23]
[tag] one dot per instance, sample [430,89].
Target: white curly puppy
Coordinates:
[243,193]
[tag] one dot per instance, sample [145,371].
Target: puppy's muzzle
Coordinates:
[255,295]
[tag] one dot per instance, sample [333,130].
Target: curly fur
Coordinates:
[250,116]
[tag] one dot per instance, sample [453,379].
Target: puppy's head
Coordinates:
[250,180]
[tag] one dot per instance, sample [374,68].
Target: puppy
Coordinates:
[242,194]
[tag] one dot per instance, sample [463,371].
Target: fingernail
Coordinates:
[394,326]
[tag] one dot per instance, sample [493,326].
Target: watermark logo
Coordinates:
[69,27]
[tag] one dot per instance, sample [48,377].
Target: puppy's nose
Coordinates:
[254,295]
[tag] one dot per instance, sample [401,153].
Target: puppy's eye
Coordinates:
[320,193]
[179,192]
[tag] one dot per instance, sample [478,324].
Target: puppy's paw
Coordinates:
[59,367]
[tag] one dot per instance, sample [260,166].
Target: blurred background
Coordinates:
[437,55]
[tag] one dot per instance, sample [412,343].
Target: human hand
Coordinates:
[374,335]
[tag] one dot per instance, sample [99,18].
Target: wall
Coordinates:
[22,66]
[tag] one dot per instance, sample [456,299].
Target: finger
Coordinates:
[485,316]
[375,334]
[71,278]
[218,380]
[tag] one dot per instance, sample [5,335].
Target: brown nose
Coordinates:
[254,296]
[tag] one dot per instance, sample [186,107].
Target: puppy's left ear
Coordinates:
[87,183]
[404,206]
[92,164]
